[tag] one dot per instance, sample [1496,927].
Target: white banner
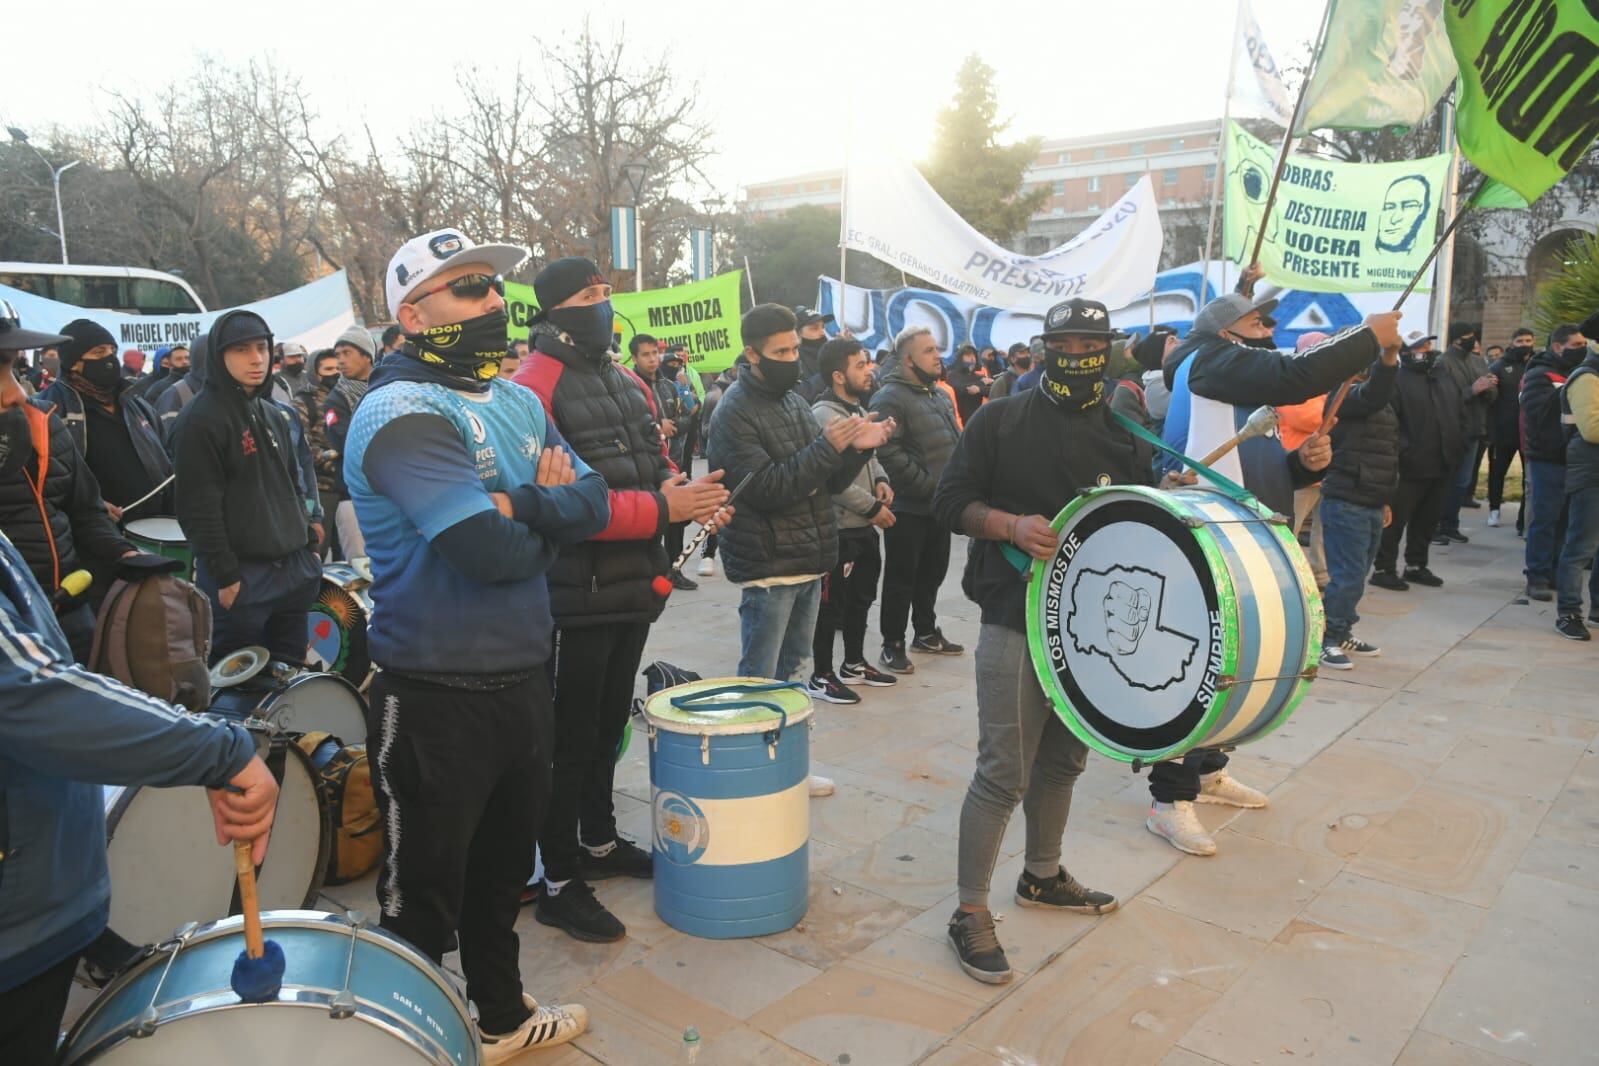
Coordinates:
[892,213]
[312,315]
[1257,83]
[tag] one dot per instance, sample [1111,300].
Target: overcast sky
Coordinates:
[777,79]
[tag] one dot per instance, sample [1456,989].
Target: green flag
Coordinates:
[1335,227]
[1528,104]
[1491,195]
[1382,63]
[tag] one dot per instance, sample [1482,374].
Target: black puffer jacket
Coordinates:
[783,522]
[1433,425]
[1542,438]
[923,441]
[1504,421]
[1365,462]
[143,431]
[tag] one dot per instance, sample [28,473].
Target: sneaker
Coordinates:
[1540,591]
[1219,787]
[934,642]
[1063,892]
[971,934]
[1387,579]
[1439,541]
[625,859]
[532,892]
[1353,645]
[1593,617]
[1333,659]
[821,786]
[894,658]
[707,567]
[864,673]
[683,582]
[1454,535]
[575,911]
[1493,518]
[1181,828]
[828,687]
[1471,505]
[1570,626]
[545,1027]
[1420,575]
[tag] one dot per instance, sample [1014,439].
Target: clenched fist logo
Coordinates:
[1116,613]
[1126,615]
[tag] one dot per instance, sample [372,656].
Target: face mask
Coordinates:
[589,327]
[1421,362]
[1022,364]
[1572,356]
[293,369]
[327,381]
[923,376]
[1075,382]
[969,366]
[1519,353]
[780,376]
[1268,343]
[101,373]
[177,371]
[471,349]
[16,443]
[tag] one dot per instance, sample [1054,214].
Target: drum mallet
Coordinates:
[258,971]
[1262,420]
[151,493]
[662,584]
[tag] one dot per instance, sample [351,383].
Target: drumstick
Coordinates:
[258,971]
[1262,420]
[148,495]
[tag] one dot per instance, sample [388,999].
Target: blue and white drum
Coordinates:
[351,994]
[729,779]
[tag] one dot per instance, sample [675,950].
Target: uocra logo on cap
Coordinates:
[445,245]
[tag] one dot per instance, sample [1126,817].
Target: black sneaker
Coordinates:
[1422,576]
[864,673]
[627,859]
[1471,505]
[1593,617]
[1063,893]
[1355,646]
[1333,659]
[894,658]
[1387,579]
[682,581]
[1454,535]
[829,688]
[1570,626]
[1538,590]
[971,934]
[934,642]
[575,911]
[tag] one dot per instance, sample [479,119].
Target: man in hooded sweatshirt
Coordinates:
[240,497]
[1504,425]
[293,374]
[157,374]
[812,335]
[355,355]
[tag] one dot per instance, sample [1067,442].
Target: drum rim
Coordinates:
[1315,630]
[226,999]
[1226,598]
[675,725]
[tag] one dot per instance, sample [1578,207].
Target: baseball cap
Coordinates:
[1079,316]
[1223,311]
[807,317]
[422,258]
[13,338]
[1416,336]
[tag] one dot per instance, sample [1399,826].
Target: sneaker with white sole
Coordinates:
[1181,827]
[545,1027]
[821,786]
[1353,645]
[864,673]
[1493,517]
[971,934]
[1219,787]
[830,689]
[707,567]
[1333,659]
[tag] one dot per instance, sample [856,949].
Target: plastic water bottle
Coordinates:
[691,1046]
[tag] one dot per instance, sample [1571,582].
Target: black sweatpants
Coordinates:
[1499,459]
[847,595]
[594,668]
[1481,445]
[30,1016]
[462,779]
[1178,779]
[1417,506]
[674,540]
[915,560]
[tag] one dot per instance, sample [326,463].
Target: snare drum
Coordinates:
[297,703]
[1170,621]
[336,625]
[162,536]
[372,998]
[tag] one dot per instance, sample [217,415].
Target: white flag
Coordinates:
[1257,83]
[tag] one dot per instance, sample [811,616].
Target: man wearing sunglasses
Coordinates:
[465,491]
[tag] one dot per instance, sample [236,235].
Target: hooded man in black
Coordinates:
[1543,445]
[812,335]
[1504,424]
[240,497]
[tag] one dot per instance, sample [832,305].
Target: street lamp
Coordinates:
[55,180]
[634,173]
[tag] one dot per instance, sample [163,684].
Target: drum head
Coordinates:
[239,667]
[736,716]
[157,530]
[1126,627]
[324,703]
[336,632]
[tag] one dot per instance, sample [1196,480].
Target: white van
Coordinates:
[130,290]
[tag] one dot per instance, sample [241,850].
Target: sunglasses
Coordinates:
[467,287]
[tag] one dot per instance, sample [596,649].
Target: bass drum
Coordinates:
[336,625]
[296,703]
[1170,621]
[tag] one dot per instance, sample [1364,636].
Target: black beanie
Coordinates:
[238,327]
[82,335]
[562,280]
[1149,351]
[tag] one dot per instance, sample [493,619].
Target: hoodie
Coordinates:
[1542,438]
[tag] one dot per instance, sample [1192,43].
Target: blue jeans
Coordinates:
[1582,546]
[1350,536]
[1548,516]
[775,627]
[1459,487]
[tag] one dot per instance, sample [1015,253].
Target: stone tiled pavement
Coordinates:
[1423,889]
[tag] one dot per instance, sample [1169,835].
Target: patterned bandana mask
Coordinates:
[471,349]
[1074,382]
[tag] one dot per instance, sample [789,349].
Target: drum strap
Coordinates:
[707,701]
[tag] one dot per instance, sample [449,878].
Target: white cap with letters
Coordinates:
[421,258]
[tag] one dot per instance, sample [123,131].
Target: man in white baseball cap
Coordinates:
[421,259]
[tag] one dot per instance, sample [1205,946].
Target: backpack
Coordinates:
[344,783]
[154,633]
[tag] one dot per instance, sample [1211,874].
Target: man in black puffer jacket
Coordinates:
[1543,446]
[916,547]
[601,591]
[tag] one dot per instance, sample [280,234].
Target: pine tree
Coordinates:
[975,174]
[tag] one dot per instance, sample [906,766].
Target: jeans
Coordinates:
[1305,504]
[270,608]
[915,560]
[846,597]
[1351,535]
[1581,548]
[1416,505]
[775,627]
[1545,530]
[1026,755]
[1464,478]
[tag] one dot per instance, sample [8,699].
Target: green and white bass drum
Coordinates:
[1168,621]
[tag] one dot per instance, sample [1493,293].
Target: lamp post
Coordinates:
[634,173]
[55,180]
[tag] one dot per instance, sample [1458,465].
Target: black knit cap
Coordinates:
[563,279]
[238,327]
[82,335]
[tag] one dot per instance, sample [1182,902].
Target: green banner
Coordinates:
[1528,104]
[1336,227]
[702,316]
[1382,63]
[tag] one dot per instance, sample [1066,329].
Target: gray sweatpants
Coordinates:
[1025,755]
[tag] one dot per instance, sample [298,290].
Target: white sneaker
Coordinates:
[707,567]
[1181,828]
[1220,788]
[821,786]
[1493,517]
[545,1027]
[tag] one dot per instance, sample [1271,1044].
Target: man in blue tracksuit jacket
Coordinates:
[65,732]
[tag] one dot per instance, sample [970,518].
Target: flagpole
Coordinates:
[1288,135]
[749,278]
[843,216]
[1443,279]
[1447,236]
[1221,148]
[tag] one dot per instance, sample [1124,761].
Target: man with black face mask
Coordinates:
[1504,424]
[175,367]
[1019,361]
[971,388]
[602,593]
[292,373]
[812,335]
[1543,443]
